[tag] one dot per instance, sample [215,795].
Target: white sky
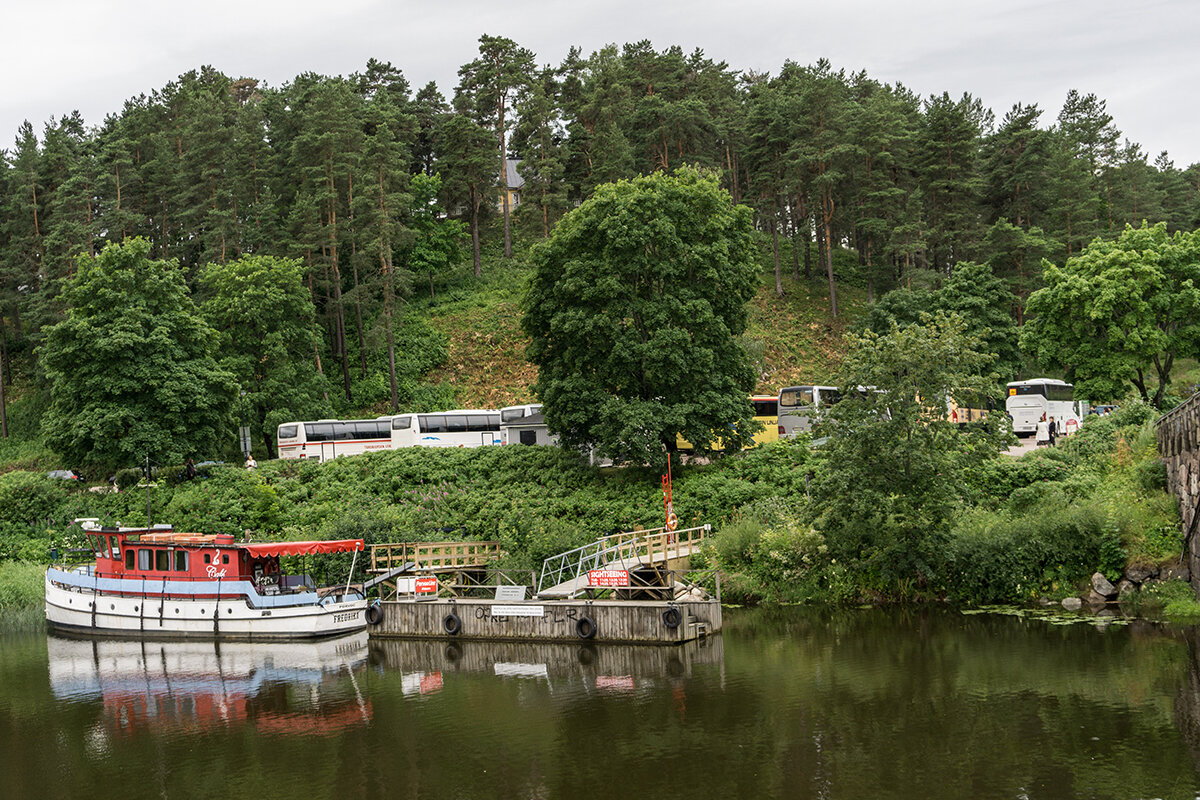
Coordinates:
[1141,56]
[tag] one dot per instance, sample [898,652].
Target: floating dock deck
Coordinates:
[629,588]
[618,621]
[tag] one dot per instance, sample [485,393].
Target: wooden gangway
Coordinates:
[433,557]
[566,574]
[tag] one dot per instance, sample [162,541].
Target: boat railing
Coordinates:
[190,588]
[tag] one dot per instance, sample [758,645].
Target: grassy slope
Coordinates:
[799,341]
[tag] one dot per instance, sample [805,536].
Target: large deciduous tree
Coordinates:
[131,368]
[1120,313]
[633,313]
[267,328]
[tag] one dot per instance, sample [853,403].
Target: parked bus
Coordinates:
[766,413]
[799,406]
[464,427]
[332,438]
[968,408]
[1028,401]
[526,425]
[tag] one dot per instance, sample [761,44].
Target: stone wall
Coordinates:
[1179,446]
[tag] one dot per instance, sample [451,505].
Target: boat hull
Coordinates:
[72,607]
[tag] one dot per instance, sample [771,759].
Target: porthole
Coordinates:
[135,608]
[112,606]
[229,611]
[176,610]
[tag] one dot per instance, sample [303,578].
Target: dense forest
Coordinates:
[370,192]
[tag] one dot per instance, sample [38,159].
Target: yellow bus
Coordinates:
[766,412]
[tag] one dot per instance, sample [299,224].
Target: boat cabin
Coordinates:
[162,553]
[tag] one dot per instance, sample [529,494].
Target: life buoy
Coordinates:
[374,615]
[452,624]
[671,618]
[585,628]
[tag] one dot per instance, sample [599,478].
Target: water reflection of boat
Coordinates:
[611,668]
[300,688]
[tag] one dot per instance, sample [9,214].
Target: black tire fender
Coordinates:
[672,617]
[374,614]
[451,624]
[585,628]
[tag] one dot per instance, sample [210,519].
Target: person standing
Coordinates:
[1043,432]
[1051,432]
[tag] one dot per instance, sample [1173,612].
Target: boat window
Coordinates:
[208,558]
[96,543]
[128,558]
[162,560]
[144,558]
[181,561]
[225,558]
[114,548]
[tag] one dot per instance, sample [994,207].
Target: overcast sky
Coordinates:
[1138,55]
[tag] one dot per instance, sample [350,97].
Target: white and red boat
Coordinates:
[158,582]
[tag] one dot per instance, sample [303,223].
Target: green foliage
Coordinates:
[1175,598]
[265,322]
[894,460]
[131,367]
[22,585]
[634,312]
[1118,312]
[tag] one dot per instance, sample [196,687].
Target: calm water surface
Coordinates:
[790,704]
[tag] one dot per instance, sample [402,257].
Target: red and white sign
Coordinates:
[608,577]
[426,585]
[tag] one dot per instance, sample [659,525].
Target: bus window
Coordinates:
[456,423]
[766,408]
[478,423]
[288,431]
[795,398]
[401,423]
[433,423]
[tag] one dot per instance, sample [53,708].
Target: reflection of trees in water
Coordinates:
[1187,702]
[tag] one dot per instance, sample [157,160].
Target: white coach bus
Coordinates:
[324,439]
[1028,401]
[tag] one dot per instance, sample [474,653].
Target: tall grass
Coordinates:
[22,596]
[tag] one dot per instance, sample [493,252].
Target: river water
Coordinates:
[786,703]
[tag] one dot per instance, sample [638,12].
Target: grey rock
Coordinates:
[1175,572]
[1096,600]
[1102,586]
[1126,587]
[1140,573]
[1072,603]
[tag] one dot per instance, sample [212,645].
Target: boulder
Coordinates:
[1103,587]
[1126,587]
[1175,572]
[1140,573]
[1096,600]
[1072,603]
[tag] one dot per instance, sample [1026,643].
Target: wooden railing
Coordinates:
[434,556]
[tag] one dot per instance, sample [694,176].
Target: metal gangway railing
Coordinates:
[566,573]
